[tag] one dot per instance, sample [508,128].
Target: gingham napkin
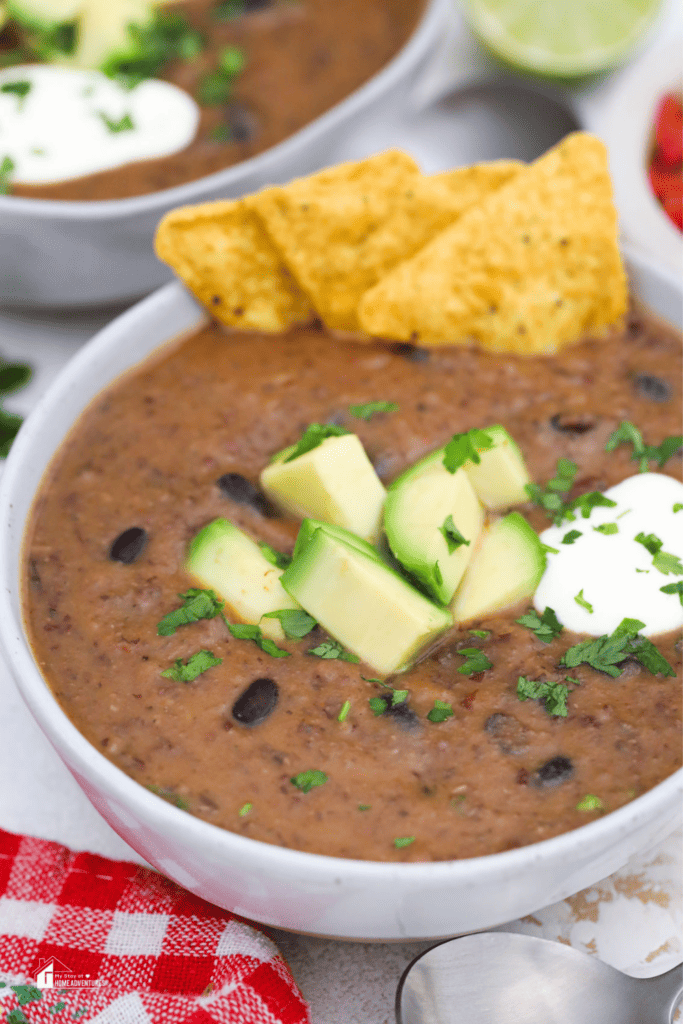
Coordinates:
[108,942]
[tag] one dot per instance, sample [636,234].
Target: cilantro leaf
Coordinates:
[607,528]
[195,666]
[245,631]
[553,694]
[331,650]
[169,795]
[606,652]
[452,535]
[124,124]
[627,433]
[475,661]
[546,626]
[166,36]
[465,448]
[7,166]
[402,841]
[276,558]
[581,600]
[585,504]
[378,706]
[483,634]
[364,412]
[441,711]
[343,713]
[244,810]
[306,781]
[295,622]
[667,563]
[570,537]
[678,507]
[551,498]
[674,588]
[198,604]
[649,541]
[313,436]
[18,89]
[590,803]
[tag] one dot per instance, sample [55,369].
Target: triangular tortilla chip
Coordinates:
[226,259]
[531,268]
[342,229]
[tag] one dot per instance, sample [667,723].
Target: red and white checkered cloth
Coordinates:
[108,942]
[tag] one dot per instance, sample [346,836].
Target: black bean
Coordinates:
[256,702]
[508,733]
[129,545]
[241,122]
[568,423]
[555,771]
[646,385]
[409,351]
[239,489]
[402,713]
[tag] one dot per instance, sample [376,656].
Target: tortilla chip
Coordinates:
[225,258]
[531,268]
[341,230]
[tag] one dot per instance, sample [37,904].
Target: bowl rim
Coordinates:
[108,778]
[426,31]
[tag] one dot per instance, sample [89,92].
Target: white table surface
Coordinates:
[633,920]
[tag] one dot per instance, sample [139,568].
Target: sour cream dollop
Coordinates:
[613,572]
[73,122]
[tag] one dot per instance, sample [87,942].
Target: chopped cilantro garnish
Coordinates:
[475,661]
[554,694]
[216,87]
[590,803]
[198,604]
[605,653]
[331,650]
[546,626]
[483,634]
[124,124]
[550,499]
[667,563]
[7,166]
[580,599]
[245,631]
[377,705]
[585,504]
[465,447]
[643,454]
[607,528]
[295,622]
[195,666]
[244,810]
[649,541]
[26,994]
[674,588]
[18,89]
[221,133]
[167,36]
[276,558]
[305,781]
[364,412]
[452,535]
[371,679]
[345,708]
[313,436]
[441,711]
[169,795]
[678,507]
[402,841]
[570,537]
[364,807]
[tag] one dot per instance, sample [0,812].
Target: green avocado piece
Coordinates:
[499,478]
[224,559]
[334,482]
[309,526]
[425,507]
[506,567]
[363,604]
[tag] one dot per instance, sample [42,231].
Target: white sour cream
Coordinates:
[58,131]
[605,566]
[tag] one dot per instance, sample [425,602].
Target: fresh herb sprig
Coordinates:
[167,36]
[247,631]
[197,604]
[643,454]
[306,781]
[545,627]
[313,436]
[330,650]
[452,535]
[195,666]
[475,661]
[369,409]
[295,622]
[606,653]
[124,124]
[466,447]
[553,694]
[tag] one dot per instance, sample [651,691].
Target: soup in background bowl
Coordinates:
[407,890]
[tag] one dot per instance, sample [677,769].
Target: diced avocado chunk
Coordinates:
[222,558]
[428,509]
[506,567]
[104,28]
[499,478]
[364,605]
[334,482]
[309,526]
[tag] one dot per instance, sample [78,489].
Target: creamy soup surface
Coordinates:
[500,772]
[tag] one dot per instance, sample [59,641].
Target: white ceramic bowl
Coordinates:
[58,253]
[298,891]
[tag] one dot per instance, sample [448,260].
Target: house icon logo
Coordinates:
[53,973]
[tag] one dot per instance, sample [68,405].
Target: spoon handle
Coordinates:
[661,995]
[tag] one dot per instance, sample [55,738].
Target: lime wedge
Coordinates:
[561,38]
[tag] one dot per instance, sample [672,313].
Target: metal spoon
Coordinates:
[505,978]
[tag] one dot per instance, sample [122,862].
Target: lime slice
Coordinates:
[562,38]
